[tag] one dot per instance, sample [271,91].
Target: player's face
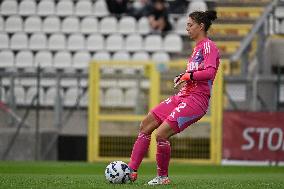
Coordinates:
[193,29]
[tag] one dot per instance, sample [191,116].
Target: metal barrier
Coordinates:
[96,116]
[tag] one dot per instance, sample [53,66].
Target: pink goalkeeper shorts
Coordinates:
[178,111]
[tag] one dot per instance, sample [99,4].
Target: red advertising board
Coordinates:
[253,136]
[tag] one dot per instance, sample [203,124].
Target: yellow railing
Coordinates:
[95,116]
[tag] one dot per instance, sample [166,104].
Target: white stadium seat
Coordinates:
[83,8]
[9,7]
[143,25]
[81,59]
[46,7]
[95,42]
[4,41]
[1,24]
[71,96]
[64,8]
[19,41]
[33,24]
[114,42]
[76,42]
[196,5]
[172,43]
[70,25]
[114,97]
[38,41]
[89,25]
[62,59]
[57,42]
[108,25]
[27,7]
[160,57]
[140,56]
[102,56]
[133,42]
[181,26]
[127,25]
[121,56]
[20,95]
[130,97]
[51,24]
[6,59]
[14,24]
[24,59]
[100,8]
[281,27]
[279,12]
[153,43]
[44,59]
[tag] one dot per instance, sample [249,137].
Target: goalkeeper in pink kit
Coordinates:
[186,107]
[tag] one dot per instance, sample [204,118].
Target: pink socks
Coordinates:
[163,156]
[139,150]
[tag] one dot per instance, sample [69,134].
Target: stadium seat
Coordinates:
[46,7]
[141,56]
[108,25]
[114,42]
[51,24]
[70,25]
[71,96]
[160,57]
[6,59]
[101,56]
[196,5]
[84,8]
[127,25]
[20,95]
[121,56]
[38,41]
[9,7]
[33,24]
[62,59]
[27,7]
[113,97]
[50,97]
[57,42]
[89,25]
[143,25]
[133,42]
[130,97]
[172,43]
[153,43]
[32,92]
[44,59]
[64,8]
[19,41]
[76,42]
[279,12]
[81,59]
[14,24]
[95,42]
[24,59]
[84,99]
[100,8]
[4,41]
[1,24]
[181,26]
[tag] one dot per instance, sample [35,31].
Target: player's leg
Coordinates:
[163,133]
[185,114]
[148,125]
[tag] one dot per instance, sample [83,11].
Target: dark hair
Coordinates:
[204,17]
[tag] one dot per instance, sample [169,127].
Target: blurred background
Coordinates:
[47,47]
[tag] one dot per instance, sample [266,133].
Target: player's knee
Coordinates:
[145,128]
[161,136]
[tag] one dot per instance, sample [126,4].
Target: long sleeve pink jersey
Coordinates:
[204,62]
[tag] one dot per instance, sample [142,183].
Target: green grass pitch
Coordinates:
[85,175]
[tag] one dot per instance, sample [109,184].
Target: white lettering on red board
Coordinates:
[261,134]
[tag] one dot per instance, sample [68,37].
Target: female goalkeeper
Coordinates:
[186,107]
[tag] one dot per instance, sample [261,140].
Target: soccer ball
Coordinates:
[117,172]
